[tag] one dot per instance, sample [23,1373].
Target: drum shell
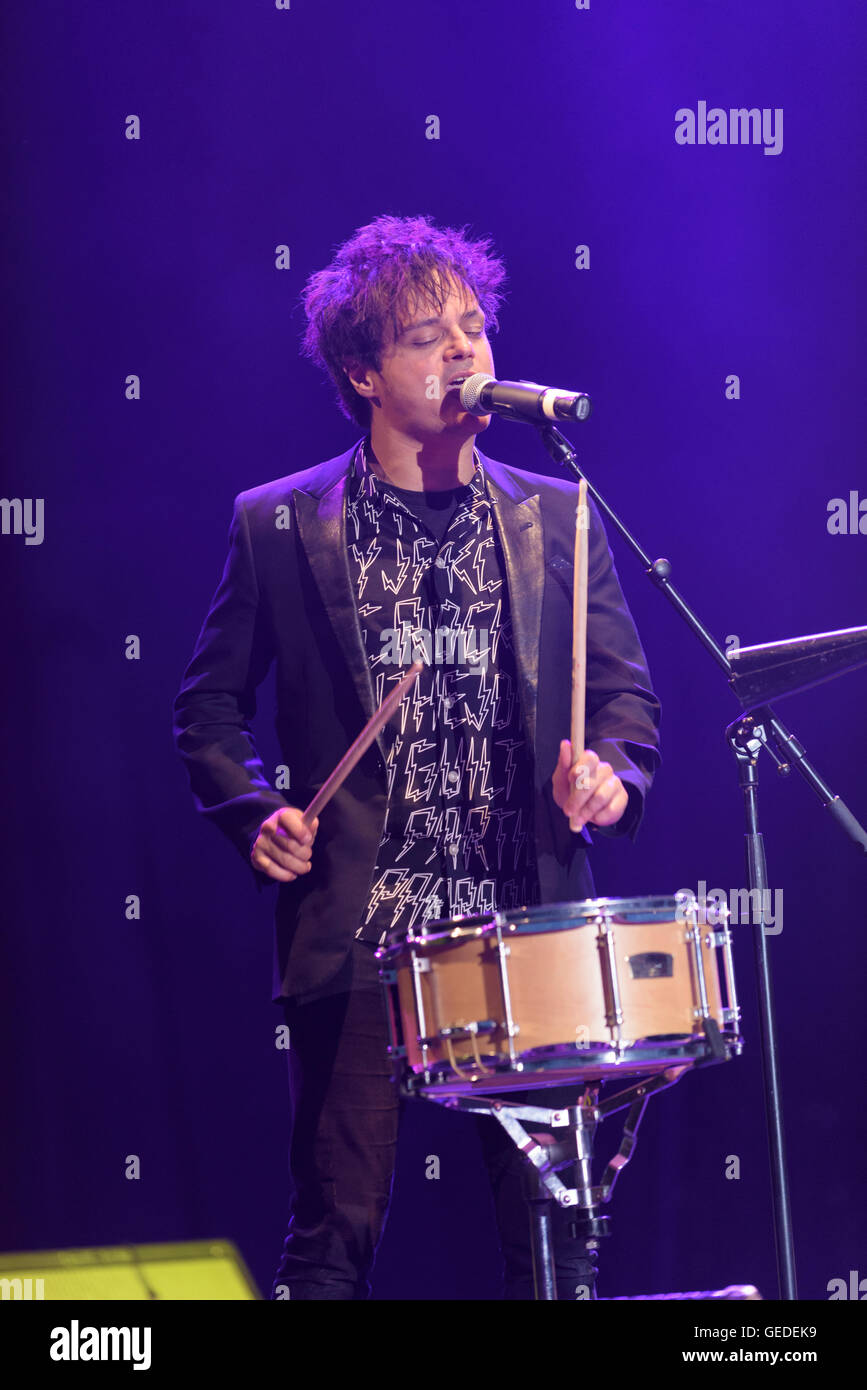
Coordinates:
[557,984]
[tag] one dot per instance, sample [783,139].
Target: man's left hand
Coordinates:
[590,791]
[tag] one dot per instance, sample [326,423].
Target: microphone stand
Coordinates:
[747,735]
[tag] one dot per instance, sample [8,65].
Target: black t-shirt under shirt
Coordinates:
[435,509]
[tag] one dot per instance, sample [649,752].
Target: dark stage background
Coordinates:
[156,257]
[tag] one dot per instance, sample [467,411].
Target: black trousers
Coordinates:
[345,1115]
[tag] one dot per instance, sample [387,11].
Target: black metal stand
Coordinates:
[746,745]
[752,732]
[576,1151]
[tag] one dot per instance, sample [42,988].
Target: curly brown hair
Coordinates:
[386,269]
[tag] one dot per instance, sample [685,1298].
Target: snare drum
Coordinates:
[565,992]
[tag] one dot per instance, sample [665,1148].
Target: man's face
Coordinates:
[414,391]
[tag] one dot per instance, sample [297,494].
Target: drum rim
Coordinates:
[559,1069]
[656,907]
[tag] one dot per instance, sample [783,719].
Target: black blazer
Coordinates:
[286,597]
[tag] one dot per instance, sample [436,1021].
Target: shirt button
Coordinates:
[454,776]
[440,562]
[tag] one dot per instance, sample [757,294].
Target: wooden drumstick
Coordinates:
[579,630]
[357,750]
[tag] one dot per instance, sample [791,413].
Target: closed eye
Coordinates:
[429,342]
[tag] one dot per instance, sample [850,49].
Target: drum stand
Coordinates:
[544,1161]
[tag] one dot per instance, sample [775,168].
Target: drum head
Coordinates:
[542,918]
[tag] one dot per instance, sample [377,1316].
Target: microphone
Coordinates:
[522,400]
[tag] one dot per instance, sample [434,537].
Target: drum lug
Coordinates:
[511,1028]
[388,981]
[693,937]
[420,965]
[610,981]
[732,1013]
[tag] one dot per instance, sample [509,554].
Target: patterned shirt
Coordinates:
[458,837]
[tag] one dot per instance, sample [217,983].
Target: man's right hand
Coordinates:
[284,845]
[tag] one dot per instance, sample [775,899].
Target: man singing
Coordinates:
[412,543]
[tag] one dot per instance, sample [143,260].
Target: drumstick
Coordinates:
[579,631]
[357,750]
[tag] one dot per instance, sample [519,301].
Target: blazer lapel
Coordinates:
[518,519]
[322,531]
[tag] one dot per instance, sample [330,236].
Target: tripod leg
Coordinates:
[539,1209]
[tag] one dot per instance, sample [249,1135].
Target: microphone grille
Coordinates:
[471,391]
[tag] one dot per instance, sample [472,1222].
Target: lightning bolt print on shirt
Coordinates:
[457,837]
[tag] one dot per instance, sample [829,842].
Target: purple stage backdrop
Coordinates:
[174,172]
